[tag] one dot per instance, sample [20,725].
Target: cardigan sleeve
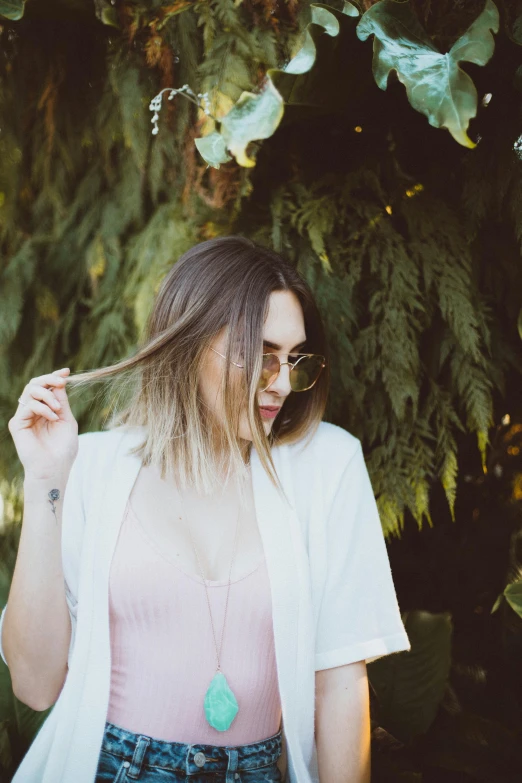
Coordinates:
[359,618]
[73,522]
[1,627]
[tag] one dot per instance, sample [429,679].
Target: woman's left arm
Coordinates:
[342,724]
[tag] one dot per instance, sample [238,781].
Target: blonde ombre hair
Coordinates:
[222,282]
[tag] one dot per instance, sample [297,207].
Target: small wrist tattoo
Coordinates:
[53,495]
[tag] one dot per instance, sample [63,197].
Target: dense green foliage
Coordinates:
[405,219]
[391,221]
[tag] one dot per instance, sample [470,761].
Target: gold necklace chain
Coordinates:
[218,654]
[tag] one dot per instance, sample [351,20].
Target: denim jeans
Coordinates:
[126,757]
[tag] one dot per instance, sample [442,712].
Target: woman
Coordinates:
[217,579]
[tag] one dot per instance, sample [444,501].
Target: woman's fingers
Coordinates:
[41,395]
[57,378]
[44,394]
[44,450]
[40,409]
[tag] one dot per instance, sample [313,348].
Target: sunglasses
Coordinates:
[303,373]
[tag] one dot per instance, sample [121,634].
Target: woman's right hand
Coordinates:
[44,430]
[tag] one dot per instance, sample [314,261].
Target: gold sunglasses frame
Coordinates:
[301,355]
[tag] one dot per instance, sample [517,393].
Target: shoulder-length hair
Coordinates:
[222,282]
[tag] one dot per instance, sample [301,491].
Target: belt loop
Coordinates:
[137,759]
[232,765]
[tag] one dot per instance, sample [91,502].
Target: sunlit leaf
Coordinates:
[307,84]
[220,105]
[331,72]
[435,84]
[106,13]
[12,9]
[513,595]
[213,149]
[496,606]
[253,117]
[323,17]
[448,477]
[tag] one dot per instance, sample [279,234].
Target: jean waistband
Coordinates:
[139,750]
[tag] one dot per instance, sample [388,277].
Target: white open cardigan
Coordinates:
[333,597]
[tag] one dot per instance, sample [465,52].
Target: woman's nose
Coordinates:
[281,385]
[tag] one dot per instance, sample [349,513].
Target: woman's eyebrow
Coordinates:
[277,347]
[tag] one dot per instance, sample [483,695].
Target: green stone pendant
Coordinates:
[221,706]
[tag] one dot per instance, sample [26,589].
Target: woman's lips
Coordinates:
[268,413]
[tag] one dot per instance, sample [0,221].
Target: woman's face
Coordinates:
[283,333]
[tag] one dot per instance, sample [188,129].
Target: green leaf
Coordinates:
[497,603]
[513,595]
[253,117]
[515,32]
[350,10]
[12,9]
[106,13]
[323,17]
[410,685]
[213,149]
[331,55]
[449,480]
[435,84]
[307,84]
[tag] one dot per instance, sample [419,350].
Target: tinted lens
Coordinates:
[306,372]
[269,371]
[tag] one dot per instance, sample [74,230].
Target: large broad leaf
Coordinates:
[253,117]
[435,84]
[325,20]
[409,686]
[331,73]
[301,85]
[12,9]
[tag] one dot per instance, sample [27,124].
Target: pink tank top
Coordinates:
[162,649]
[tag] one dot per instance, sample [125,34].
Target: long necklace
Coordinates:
[220,704]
